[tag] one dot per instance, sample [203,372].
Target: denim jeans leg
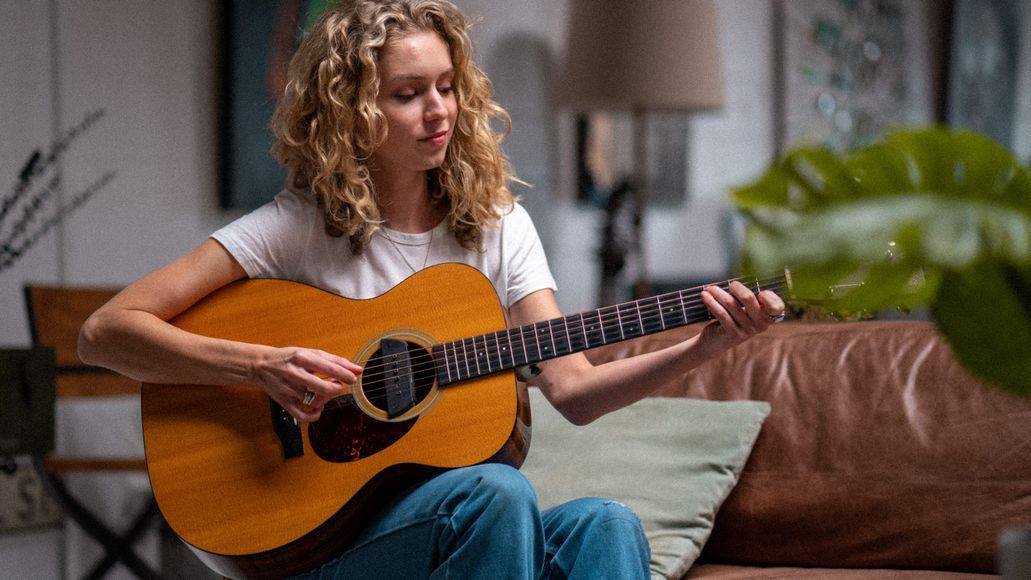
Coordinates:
[594,538]
[474,522]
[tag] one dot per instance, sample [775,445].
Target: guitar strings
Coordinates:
[424,362]
[649,313]
[370,388]
[646,316]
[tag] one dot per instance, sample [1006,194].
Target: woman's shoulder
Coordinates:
[295,198]
[292,204]
[513,214]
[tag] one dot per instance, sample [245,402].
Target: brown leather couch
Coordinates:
[881,458]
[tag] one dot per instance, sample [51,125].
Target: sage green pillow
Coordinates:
[672,460]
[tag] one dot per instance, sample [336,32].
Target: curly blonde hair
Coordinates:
[327,123]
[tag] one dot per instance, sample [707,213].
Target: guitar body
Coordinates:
[218,467]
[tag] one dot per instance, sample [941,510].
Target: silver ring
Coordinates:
[309,397]
[776,317]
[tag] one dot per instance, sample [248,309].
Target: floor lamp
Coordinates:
[641,56]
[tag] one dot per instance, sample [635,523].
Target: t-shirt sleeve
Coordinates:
[269,242]
[527,266]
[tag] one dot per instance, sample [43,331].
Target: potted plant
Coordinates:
[928,218]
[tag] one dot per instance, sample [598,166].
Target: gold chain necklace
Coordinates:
[425,259]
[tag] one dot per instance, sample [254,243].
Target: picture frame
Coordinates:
[847,71]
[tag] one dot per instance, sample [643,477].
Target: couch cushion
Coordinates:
[673,461]
[880,451]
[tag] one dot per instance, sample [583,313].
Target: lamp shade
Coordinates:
[642,54]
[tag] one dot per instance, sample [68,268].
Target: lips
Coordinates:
[434,136]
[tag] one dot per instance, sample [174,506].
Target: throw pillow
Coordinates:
[672,460]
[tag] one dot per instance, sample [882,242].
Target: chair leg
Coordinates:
[139,526]
[115,547]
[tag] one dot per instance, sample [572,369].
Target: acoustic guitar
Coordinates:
[255,494]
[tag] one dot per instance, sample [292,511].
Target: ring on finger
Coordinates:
[776,317]
[309,397]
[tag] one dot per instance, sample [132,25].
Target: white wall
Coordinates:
[726,148]
[151,65]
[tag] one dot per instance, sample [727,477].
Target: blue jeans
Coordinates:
[483,522]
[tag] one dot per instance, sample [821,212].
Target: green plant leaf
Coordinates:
[916,219]
[985,313]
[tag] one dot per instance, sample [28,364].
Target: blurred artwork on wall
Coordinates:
[259,37]
[848,70]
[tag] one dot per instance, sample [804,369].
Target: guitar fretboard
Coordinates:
[507,349]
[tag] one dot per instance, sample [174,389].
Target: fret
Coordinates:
[680,294]
[583,331]
[670,312]
[570,329]
[522,338]
[501,351]
[447,365]
[554,344]
[465,358]
[537,339]
[447,361]
[485,353]
[476,359]
[652,323]
[458,366]
[658,306]
[511,351]
[458,362]
[596,328]
[609,332]
[628,320]
[569,343]
[619,322]
[546,348]
[640,320]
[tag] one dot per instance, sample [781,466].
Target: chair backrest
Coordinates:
[56,313]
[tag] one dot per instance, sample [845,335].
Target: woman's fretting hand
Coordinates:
[740,314]
[288,374]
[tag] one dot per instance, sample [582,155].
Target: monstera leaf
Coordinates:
[931,218]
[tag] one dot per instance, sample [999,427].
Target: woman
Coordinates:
[385,130]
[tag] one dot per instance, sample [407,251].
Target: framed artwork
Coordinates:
[259,37]
[983,79]
[847,70]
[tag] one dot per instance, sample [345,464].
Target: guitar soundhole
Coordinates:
[376,374]
[345,433]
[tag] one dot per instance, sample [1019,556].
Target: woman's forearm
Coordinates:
[593,391]
[141,346]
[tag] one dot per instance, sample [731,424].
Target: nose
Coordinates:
[436,107]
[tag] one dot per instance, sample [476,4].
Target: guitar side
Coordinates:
[215,463]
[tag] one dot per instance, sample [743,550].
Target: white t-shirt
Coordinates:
[286,239]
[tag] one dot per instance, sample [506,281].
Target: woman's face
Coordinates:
[417,97]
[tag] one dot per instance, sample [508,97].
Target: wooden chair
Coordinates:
[55,316]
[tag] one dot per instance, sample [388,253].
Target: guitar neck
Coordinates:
[511,348]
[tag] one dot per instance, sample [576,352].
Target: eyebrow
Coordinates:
[413,77]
